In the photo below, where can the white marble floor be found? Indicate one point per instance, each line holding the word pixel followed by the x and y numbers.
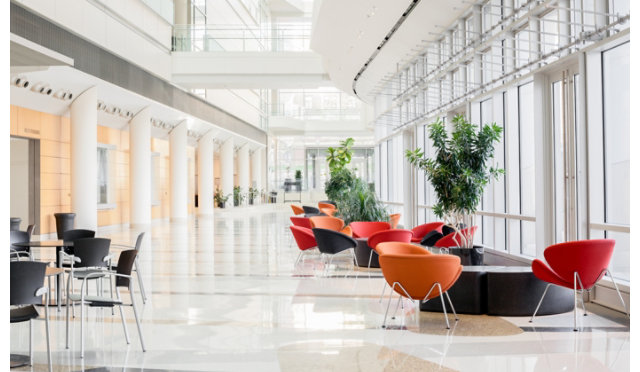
pixel 225 296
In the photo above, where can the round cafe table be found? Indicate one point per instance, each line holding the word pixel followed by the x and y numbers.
pixel 58 244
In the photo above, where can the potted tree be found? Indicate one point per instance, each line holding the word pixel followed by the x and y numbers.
pixel 253 193
pixel 238 196
pixel 220 198
pixel 459 172
pixel 298 180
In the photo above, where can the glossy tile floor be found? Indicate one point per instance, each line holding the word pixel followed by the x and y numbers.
pixel 224 295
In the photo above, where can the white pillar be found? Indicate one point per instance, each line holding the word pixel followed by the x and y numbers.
pixel 84 158
pixel 226 170
pixel 265 169
pixel 243 168
pixel 256 169
pixel 410 205
pixel 179 171
pixel 140 168
pixel 205 175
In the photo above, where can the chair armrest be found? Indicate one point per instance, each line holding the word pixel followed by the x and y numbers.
pixel 42 291
pixel 69 256
pixel 108 257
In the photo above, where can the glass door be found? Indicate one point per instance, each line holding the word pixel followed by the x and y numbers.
pixel 564 85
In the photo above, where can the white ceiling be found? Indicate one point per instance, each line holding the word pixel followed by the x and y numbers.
pixel 346 33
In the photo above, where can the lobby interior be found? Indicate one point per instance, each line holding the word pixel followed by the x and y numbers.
pixel 185 137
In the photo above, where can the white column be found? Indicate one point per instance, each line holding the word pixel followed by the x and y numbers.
pixel 205 175
pixel 226 170
pixel 139 168
pixel 243 168
pixel 409 184
pixel 84 158
pixel 256 170
pixel 265 169
pixel 179 171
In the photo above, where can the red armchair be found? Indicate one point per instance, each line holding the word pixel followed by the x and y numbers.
pixel 304 238
pixel 448 240
pixel 579 263
pixel 301 221
pixel 419 232
pixel 366 229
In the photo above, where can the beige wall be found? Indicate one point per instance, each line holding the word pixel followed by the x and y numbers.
pixel 53 133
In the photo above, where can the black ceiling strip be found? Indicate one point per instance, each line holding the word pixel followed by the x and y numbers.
pixel 393 30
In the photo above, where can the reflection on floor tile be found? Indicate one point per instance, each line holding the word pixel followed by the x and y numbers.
pixel 224 295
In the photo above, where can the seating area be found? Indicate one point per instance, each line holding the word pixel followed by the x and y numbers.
pixel 321 185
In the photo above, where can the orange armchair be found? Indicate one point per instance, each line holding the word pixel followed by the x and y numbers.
pixel 396 235
pixel 326 222
pixel 394 219
pixel 420 277
pixel 297 210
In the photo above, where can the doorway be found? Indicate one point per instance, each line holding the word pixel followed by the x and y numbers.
pixel 24 181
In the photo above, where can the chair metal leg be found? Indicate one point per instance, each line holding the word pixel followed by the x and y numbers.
pixel 46 321
pixel 539 303
pixel 298 259
pixel 444 308
pixel 355 257
pixel 111 294
pixel 124 323
pixel 81 326
pixel 135 313
pixel 370 257
pixel 384 322
pixel 397 306
pixel 384 288
pixel 30 342
pixel 140 282
pixel 67 325
pixel 619 294
pixel 453 310
pixel 575 301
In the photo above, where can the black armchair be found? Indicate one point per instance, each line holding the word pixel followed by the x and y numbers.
pixel 332 242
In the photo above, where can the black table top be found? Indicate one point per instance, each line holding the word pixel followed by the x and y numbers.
pixel 45 244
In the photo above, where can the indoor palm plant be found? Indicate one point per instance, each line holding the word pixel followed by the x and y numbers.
pixel 238 196
pixel 459 171
pixel 253 193
pixel 220 198
pixel 355 200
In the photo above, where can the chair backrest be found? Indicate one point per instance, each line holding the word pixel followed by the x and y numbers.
pixel 304 237
pixel 347 231
pixel 125 265
pixel 30 229
pixel 26 277
pixel 397 235
pixel 366 229
pixel 91 251
pixel 400 248
pixel 449 241
pixel 420 231
pixel 327 222
pixel 394 219
pixel 16 236
pixel 328 211
pixel 332 242
pixel 417 273
pixel 590 258
pixel 310 210
pixel 329 202
pixel 301 221
pixel 72 235
pixel 139 241
pixel 326 205
pixel 297 210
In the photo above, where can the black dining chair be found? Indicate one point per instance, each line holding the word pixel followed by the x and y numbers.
pixel 15 252
pixel 26 291
pixel 136 265
pixel 332 242
pixel 72 235
pixel 90 258
pixel 122 280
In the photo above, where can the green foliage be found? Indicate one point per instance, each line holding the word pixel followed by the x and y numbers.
pixel 253 192
pixel 360 203
pixel 298 174
pixel 355 200
pixel 238 196
pixel 458 172
pixel 338 158
pixel 220 198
